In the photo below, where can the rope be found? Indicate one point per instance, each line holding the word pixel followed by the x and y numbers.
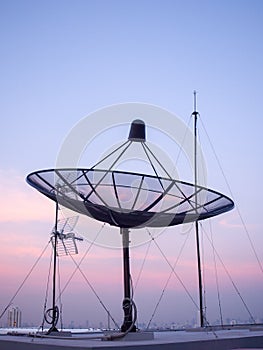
pixel 49 315
pixel 133 304
pixel 143 263
pixel 183 140
pixel 229 276
pixel 179 279
pixel 47 288
pixel 216 274
pixel 122 334
pixel 203 275
pixel 60 301
pixel 23 282
pixel 84 256
pixel 93 290
pixel 238 211
pixel 173 270
pixel 78 268
pixel 167 282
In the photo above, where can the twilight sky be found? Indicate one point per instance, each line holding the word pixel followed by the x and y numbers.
pixel 61 61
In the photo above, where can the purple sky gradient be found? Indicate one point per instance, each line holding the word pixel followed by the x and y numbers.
pixel 62 60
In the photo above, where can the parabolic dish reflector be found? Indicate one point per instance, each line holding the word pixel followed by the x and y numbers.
pixel 129 200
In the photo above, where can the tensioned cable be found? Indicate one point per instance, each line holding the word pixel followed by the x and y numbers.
pixel 179 153
pixel 143 263
pixel 78 268
pixel 173 269
pixel 60 301
pixel 24 281
pixel 239 213
pixel 132 294
pixel 183 140
pixel 94 291
pixel 47 289
pixel 133 287
pixel 83 257
pixel 180 280
pixel 167 282
pixel 203 275
pixel 229 276
pixel 203 169
pixel 216 275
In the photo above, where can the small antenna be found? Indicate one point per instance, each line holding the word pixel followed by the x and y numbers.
pixel 199 269
pixel 195 113
pixel 66 238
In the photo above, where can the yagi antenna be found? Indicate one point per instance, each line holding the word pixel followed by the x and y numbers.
pixel 66 243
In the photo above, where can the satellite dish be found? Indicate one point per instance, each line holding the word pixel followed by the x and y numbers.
pixel 129 199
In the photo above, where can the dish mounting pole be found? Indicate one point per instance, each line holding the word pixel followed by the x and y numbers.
pixel 127 304
pixel 195 114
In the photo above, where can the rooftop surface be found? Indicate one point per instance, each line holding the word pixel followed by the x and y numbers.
pixel 245 338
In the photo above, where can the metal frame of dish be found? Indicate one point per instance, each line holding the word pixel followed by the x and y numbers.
pixel 129 200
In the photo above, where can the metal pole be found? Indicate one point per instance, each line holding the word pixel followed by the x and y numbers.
pixel 54 308
pixel 127 302
pixel 195 115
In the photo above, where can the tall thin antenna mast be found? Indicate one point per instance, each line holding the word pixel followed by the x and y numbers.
pixel 195 114
pixel 54 309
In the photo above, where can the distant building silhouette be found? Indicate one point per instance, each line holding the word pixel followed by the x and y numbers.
pixel 14 317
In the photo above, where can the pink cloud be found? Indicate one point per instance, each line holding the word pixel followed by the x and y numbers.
pixel 233 221
pixel 19 202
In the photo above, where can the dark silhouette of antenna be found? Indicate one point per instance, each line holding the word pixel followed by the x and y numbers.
pixel 64 243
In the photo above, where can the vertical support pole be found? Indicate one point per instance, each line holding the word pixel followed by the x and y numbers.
pixel 54 307
pixel 199 275
pixel 195 115
pixel 127 302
